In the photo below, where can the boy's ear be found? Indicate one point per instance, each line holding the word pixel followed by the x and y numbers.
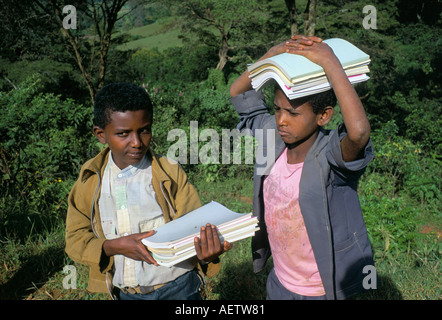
pixel 325 116
pixel 99 134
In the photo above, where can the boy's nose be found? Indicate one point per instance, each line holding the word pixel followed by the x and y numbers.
pixel 280 119
pixel 135 142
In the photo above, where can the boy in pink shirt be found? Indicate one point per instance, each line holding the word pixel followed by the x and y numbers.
pixel 310 218
pixel 294 262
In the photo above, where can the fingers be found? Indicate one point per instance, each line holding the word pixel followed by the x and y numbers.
pixel 298 43
pixel 208 246
pixel 146 234
pixel 148 258
pixel 227 246
pixel 143 252
pixel 310 38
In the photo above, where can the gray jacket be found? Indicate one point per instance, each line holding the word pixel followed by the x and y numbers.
pixel 327 197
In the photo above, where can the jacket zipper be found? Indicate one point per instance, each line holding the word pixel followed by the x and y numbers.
pixel 327 219
pixel 93 204
pixel 108 285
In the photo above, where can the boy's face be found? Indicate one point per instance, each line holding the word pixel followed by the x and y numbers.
pixel 295 120
pixel 128 135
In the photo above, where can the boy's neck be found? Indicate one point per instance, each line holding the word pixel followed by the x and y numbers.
pixel 297 152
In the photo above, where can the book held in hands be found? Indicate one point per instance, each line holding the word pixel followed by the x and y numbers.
pixel 173 242
pixel 298 76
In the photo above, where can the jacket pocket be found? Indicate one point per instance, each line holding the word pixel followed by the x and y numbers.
pixel 346 244
pixel 351 256
pixel 108 227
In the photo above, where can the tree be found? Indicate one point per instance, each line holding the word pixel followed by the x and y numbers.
pixel 309 17
pixel 89 51
pixel 221 23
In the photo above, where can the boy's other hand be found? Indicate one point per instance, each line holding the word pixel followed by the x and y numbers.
pixel 292 45
pixel 208 246
pixel 131 247
pixel 317 52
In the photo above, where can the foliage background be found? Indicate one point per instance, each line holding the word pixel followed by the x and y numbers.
pixel 45 128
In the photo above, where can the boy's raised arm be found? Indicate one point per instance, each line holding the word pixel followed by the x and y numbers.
pixel 352 110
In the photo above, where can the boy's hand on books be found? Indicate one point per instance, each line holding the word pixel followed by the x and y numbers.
pixel 130 246
pixel 297 42
pixel 293 45
pixel 317 52
pixel 208 246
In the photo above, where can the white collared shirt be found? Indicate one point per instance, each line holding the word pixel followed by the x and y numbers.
pixel 128 205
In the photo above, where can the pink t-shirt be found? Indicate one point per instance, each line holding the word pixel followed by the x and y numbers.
pixel 293 259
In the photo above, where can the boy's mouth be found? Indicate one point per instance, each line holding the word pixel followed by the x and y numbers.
pixel 135 155
pixel 282 133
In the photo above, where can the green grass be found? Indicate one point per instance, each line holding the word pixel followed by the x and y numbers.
pixel 161 34
pixel 34 269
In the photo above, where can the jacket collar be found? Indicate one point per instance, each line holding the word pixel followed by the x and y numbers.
pixel 97 164
pixel 319 144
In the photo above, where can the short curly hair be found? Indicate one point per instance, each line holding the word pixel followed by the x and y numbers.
pixel 120 97
pixel 321 100
pixel 318 101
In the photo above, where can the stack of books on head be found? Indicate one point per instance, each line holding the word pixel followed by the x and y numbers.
pixel 298 76
pixel 173 242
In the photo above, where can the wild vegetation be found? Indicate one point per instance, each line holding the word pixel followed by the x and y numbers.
pixel 186 54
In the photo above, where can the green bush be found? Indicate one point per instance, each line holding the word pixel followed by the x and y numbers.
pixel 400 191
pixel 44 142
pixel 208 106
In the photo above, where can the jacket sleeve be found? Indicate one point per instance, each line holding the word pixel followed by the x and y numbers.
pixel 82 244
pixel 347 170
pixel 186 196
pixel 252 110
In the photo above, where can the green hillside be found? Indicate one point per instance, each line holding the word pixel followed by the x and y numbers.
pixel 161 34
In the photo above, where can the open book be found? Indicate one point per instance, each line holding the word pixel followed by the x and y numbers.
pixel 298 76
pixel 173 242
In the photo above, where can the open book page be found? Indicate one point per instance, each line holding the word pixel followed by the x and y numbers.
pixel 189 225
pixel 297 68
pixel 173 242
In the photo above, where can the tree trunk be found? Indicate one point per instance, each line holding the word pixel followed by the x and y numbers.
pixel 104 24
pixel 310 18
pixel 223 53
pixel 293 16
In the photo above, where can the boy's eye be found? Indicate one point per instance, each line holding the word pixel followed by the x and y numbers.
pixel 146 130
pixel 122 134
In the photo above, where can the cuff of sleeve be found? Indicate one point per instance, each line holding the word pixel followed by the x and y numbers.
pixel 105 263
pixel 336 152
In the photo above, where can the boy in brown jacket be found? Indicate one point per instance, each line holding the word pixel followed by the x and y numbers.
pixel 121 195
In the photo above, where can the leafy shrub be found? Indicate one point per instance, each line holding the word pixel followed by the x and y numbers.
pixel 391 221
pixel 44 142
pixel 400 189
pixel 208 106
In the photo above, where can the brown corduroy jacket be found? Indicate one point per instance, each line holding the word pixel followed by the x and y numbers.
pixel 84 235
